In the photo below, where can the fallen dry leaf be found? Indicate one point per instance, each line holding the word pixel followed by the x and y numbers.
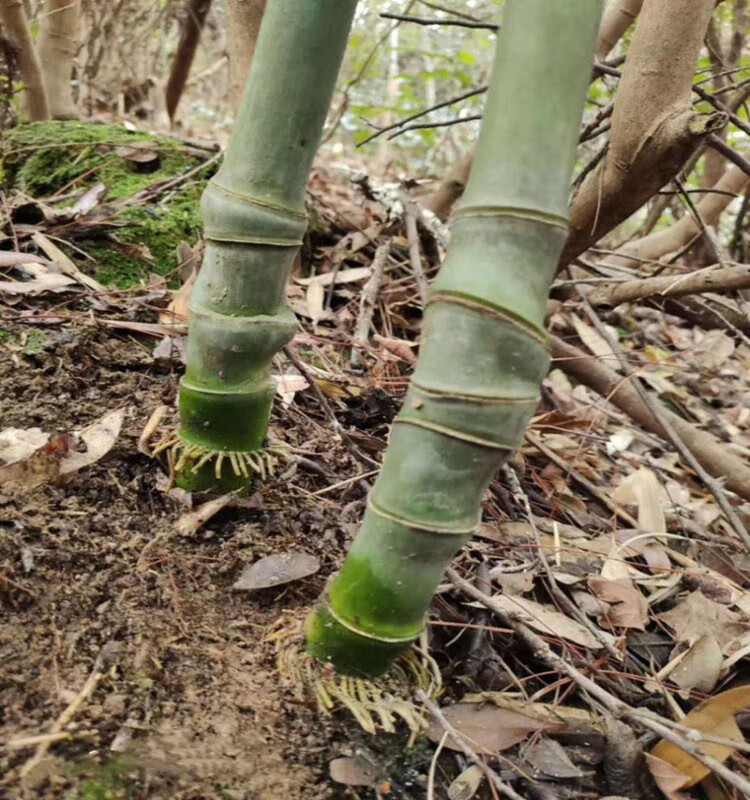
pixel 315 298
pixel 61 454
pixel 288 384
pixel 656 557
pixel 572 719
pixel 177 310
pixel 99 437
pixel 172 348
pixel 619 441
pixel 149 328
pixel 513 583
pixel 398 347
pixel 642 488
pixel 277 570
pixel 667 778
pixel 697 615
pixel 595 342
pixel 10 258
pixel 42 466
pixel 63 263
pixel 548 621
pixel 89 199
pixel 487 729
pixel 19 443
pixel 701 667
pixel 550 758
pixel 715 716
pixel 465 786
pixel 628 606
pixel 340 276
pixel 714 349
pixel 354 771
pixel 49 282
pixel 190 522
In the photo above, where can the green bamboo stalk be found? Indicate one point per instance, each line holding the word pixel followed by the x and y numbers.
pixel 254 219
pixel 484 350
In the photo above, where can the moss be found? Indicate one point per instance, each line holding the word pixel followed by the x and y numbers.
pixel 43 158
pixel 111 780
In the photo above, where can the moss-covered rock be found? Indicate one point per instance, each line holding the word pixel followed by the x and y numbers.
pixel 45 159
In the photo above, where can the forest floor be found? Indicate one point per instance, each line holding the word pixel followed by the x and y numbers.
pixel 130 664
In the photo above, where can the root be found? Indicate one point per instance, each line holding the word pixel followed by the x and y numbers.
pixel 373 704
pixel 182 455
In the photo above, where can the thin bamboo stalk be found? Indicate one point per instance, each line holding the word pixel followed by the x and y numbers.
pixel 254 218
pixel 484 352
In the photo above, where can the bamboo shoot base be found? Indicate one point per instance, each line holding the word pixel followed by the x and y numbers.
pixel 196 468
pixel 374 704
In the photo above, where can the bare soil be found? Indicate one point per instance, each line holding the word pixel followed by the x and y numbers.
pixel 93 568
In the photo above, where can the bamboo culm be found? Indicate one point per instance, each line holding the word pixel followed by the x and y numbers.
pixel 254 219
pixel 484 350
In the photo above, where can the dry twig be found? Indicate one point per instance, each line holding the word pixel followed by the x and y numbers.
pixel 710 279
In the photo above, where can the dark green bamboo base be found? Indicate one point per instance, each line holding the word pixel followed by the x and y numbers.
pixel 227 434
pixel 353 654
pixel 221 420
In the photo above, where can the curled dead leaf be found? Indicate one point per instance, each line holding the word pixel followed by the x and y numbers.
pixel 62 454
pixel 98 439
pixel 628 606
pixel 190 522
pixel 465 786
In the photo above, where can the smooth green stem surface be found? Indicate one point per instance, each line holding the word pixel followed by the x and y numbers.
pixel 484 350
pixel 254 219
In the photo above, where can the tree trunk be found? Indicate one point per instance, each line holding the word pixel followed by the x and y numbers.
pixel 243 24
pixel 659 244
pixel 192 25
pixel 449 192
pixel 654 127
pixel 484 353
pixel 618 17
pixel 58 43
pixel 16 26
